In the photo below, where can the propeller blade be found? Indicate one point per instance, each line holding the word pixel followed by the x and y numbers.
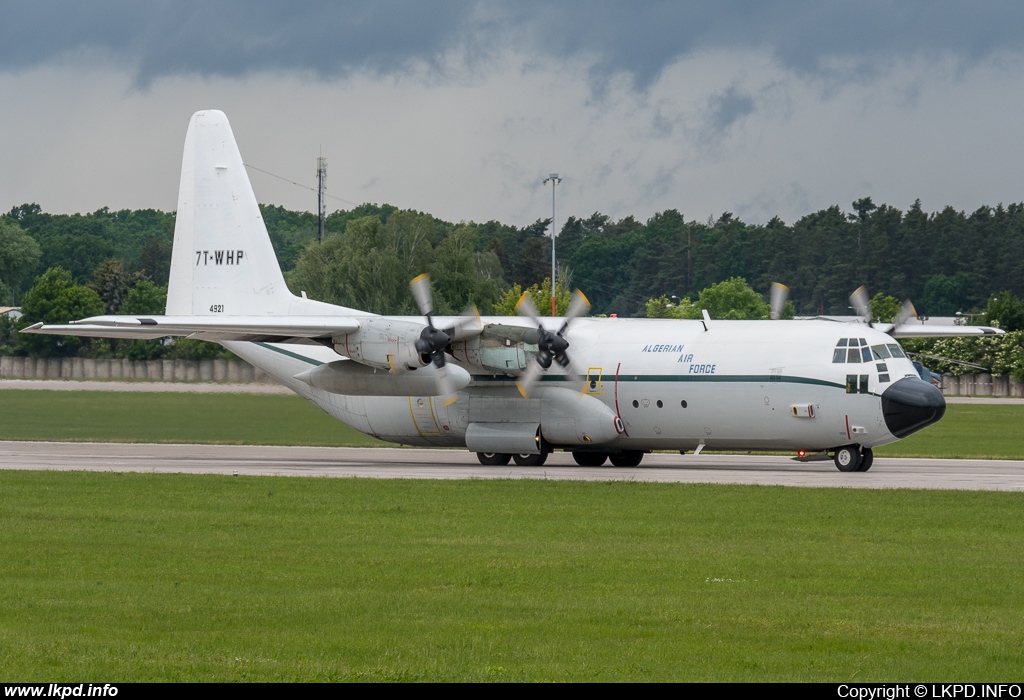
pixel 467 325
pixel 578 305
pixel 529 377
pixel 421 290
pixel 525 307
pixel 907 312
pixel 779 295
pixel 444 382
pixel 860 301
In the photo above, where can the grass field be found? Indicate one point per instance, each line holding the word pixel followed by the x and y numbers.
pixel 968 430
pixel 170 577
pixel 234 419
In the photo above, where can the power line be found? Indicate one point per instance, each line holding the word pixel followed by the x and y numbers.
pixel 608 288
pixel 299 184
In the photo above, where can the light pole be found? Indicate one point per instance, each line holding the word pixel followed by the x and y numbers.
pixel 554 180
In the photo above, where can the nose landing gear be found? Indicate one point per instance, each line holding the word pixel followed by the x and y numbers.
pixel 853 458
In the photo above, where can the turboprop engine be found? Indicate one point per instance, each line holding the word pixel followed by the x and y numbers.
pixel 500 349
pixel 353 379
pixel 384 344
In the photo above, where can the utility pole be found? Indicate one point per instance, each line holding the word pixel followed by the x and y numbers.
pixel 554 180
pixel 321 196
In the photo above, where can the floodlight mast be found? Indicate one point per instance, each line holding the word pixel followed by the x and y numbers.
pixel 321 196
pixel 554 180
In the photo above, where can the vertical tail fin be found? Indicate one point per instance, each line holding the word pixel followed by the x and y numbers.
pixel 222 262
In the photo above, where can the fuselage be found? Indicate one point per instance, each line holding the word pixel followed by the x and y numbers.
pixel 675 385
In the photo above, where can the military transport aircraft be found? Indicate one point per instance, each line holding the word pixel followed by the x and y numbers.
pixel 506 387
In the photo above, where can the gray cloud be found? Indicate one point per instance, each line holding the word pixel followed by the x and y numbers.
pixel 847 40
pixel 729 106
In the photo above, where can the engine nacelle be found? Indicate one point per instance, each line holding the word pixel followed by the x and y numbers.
pixel 499 349
pixel 384 344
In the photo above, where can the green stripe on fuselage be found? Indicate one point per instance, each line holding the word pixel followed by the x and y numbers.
pixel 742 378
pixel 297 356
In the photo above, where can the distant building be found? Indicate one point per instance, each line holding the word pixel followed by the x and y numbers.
pixel 12 312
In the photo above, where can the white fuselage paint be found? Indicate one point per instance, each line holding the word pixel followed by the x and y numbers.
pixel 739 380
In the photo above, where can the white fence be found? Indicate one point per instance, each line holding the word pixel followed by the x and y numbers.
pixel 980 385
pixel 231 371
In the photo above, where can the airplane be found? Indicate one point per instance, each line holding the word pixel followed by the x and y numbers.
pixel 505 387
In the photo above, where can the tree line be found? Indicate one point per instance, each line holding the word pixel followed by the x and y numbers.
pixel 946 261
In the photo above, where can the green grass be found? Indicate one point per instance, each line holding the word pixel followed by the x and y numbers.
pixel 106 416
pixel 967 430
pixel 170 577
pixel 979 431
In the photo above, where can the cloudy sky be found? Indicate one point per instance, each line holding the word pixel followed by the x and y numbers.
pixel 461 109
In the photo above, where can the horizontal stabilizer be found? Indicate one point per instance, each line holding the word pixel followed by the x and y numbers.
pixel 914 330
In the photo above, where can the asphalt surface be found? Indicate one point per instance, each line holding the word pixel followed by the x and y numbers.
pixel 387 463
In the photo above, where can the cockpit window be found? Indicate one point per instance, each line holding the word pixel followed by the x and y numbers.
pixel 896 350
pixel 865 354
pixel 853 355
pixel 841 343
pixel 881 352
pixel 839 356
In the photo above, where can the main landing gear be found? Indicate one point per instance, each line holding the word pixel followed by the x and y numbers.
pixel 622 458
pixel 853 458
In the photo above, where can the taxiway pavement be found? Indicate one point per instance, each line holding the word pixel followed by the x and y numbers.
pixel 393 463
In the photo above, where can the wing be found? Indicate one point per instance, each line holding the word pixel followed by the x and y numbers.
pixel 278 328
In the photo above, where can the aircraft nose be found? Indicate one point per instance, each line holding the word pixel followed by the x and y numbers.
pixel 910 405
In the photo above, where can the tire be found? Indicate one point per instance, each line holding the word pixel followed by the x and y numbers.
pixel 493 459
pixel 627 458
pixel 531 460
pixel 590 459
pixel 867 457
pixel 847 458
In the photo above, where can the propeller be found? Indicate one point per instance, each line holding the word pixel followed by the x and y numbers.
pixel 862 304
pixel 551 347
pixel 779 295
pixel 859 300
pixel 432 340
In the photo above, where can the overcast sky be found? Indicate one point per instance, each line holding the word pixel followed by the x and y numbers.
pixel 461 109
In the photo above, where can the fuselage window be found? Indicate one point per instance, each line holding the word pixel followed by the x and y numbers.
pixel 881 352
pixel 883 378
pixel 839 356
pixel 853 355
pixel 896 350
pixel 882 367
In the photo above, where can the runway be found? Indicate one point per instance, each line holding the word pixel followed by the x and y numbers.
pixel 387 463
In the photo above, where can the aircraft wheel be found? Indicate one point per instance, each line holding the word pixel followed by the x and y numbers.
pixel 493 459
pixel 627 458
pixel 531 460
pixel 590 459
pixel 867 457
pixel 847 458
